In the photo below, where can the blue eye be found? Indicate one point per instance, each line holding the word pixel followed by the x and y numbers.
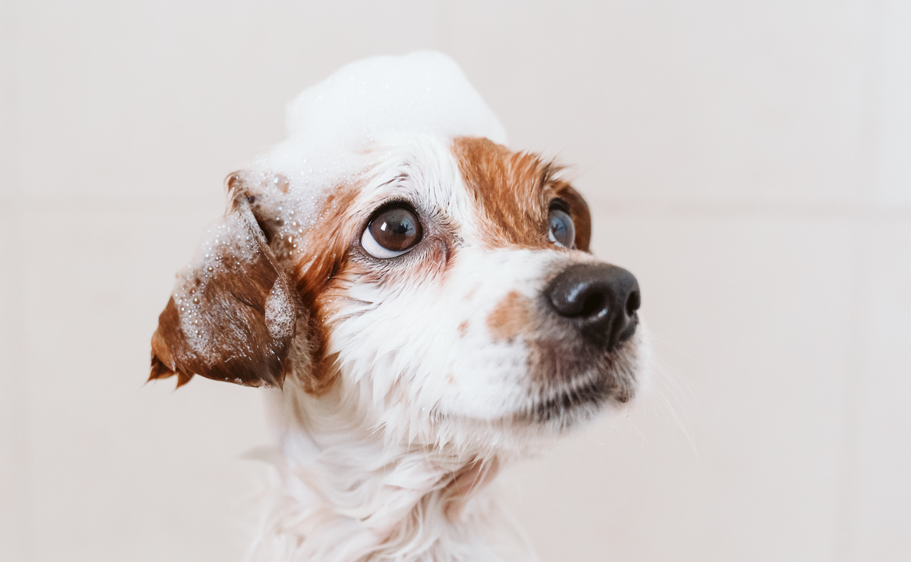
pixel 562 231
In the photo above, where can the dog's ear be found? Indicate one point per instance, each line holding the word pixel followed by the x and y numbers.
pixel 233 313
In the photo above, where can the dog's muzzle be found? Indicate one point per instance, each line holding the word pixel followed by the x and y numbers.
pixel 600 300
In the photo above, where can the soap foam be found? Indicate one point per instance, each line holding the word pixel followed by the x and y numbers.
pixel 280 315
pixel 228 248
pixel 334 125
pixel 424 92
pixel 335 131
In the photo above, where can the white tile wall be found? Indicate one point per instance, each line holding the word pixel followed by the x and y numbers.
pixel 15 499
pixel 666 101
pixel 15 462
pixel 122 471
pixel 891 72
pixel 749 162
pixel 143 100
pixel 880 503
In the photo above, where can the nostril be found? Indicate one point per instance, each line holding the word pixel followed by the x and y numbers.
pixel 633 301
pixel 593 305
pixel 600 300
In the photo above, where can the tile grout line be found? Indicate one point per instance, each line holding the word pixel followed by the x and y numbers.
pixel 849 482
pixel 18 362
pixel 692 209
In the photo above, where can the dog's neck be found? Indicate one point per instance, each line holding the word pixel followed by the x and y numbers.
pixel 343 492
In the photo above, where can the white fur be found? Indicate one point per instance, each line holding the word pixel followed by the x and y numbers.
pixel 362 472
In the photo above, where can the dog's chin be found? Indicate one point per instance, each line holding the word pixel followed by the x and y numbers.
pixel 545 414
pixel 578 388
pixel 568 406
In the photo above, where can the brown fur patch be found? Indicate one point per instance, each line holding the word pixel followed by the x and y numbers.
pixel 514 191
pixel 319 283
pixel 511 317
pixel 239 346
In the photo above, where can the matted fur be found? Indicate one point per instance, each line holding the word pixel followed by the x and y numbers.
pixel 408 382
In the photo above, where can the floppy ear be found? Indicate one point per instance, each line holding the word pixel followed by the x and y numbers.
pixel 234 313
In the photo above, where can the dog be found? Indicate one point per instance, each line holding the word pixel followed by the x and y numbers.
pixel 425 303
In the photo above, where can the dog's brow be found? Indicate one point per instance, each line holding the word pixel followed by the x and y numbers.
pixel 545 177
pixel 548 170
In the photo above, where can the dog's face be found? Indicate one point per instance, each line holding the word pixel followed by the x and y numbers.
pixel 451 284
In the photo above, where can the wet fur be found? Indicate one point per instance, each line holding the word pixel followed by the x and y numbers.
pixel 407 382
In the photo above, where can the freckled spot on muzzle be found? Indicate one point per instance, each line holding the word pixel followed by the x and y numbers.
pixel 512 316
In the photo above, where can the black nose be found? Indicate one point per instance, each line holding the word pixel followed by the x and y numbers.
pixel 600 299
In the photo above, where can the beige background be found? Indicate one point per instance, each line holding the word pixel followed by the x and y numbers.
pixel 749 161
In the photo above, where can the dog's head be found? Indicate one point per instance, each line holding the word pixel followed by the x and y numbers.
pixel 445 284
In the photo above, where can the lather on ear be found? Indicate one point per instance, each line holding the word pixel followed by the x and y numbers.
pixel 234 313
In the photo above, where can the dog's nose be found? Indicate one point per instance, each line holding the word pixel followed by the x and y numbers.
pixel 600 299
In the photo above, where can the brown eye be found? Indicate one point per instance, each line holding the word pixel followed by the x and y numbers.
pixel 391 232
pixel 562 231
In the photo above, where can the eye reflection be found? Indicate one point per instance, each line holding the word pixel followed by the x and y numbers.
pixel 562 231
pixel 391 232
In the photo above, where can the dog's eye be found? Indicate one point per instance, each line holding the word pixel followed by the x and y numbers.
pixel 562 231
pixel 391 232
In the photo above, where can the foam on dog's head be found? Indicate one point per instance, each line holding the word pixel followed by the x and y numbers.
pixel 335 126
pixel 424 92
pixel 335 131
